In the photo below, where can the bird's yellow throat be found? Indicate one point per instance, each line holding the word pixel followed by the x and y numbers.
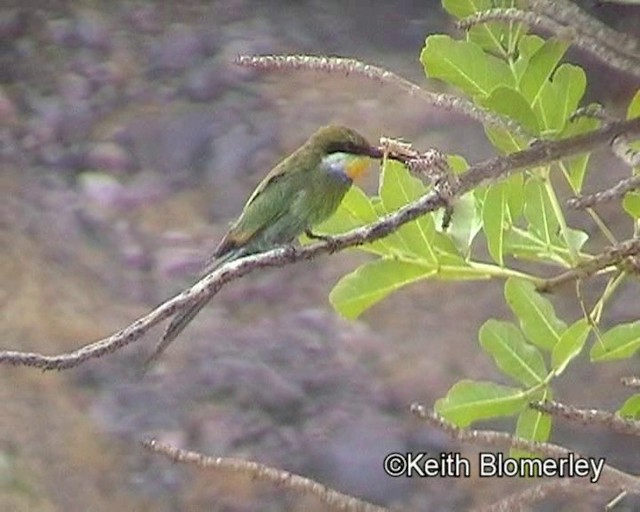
pixel 357 166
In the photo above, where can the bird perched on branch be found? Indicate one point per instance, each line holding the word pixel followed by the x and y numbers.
pixel 302 191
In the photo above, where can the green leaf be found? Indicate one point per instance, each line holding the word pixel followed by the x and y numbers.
pixel 494 220
pixel 634 107
pixel 632 112
pixel 356 210
pixel 461 272
pixel 527 245
pixel 359 206
pixel 538 210
pixel 631 407
pixel 463 8
pixel 545 225
pixel 620 342
pixel 504 140
pixel 492 36
pixel 510 103
pixel 560 98
pixel 457 163
pixel 515 195
pixel 570 345
pixel 533 426
pixel 372 282
pixel 446 251
pixel 466 223
pixel 465 65
pixel 527 46
pixel 398 188
pixel 576 239
pixel 538 320
pixel 511 353
pixel 540 69
pixel 468 401
pixel 574 168
pixel 631 204
pixel 376 202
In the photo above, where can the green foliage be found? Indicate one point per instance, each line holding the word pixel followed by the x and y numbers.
pixel 631 407
pixel 522 77
pixel 415 252
pixel 535 313
pixel 469 401
pixel 569 345
pixel 621 342
pixel 634 106
pixel 512 354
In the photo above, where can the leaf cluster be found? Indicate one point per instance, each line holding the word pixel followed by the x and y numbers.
pixel 506 70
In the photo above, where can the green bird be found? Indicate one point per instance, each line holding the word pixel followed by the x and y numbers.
pixel 300 192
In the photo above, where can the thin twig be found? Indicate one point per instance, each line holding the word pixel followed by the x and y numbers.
pixel 257 471
pixel 567 12
pixel 607 419
pixel 536 493
pixel 614 255
pixel 492 169
pixel 616 192
pixel 621 2
pixel 620 145
pixel 631 382
pixel 622 149
pixel 614 502
pixel 609 56
pixel 610 476
pixel 353 66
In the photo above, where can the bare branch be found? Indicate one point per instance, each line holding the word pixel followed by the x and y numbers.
pixel 607 419
pixel 353 66
pixel 517 501
pixel 433 167
pixel 620 145
pixel 621 2
pixel 631 382
pixel 569 13
pixel 622 149
pixel 614 255
pixel 614 502
pixel 610 476
pixel 616 192
pixel 491 169
pixel 257 471
pixel 606 54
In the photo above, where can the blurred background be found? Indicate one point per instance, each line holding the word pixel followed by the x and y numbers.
pixel 128 141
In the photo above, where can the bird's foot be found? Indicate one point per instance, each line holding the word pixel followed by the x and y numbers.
pixel 290 251
pixel 329 240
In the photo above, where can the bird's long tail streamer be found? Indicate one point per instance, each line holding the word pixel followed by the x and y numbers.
pixel 183 318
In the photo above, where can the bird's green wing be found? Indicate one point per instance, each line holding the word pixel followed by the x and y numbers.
pixel 269 202
pixel 290 166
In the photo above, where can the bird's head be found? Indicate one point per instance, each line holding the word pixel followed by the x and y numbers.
pixel 343 149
